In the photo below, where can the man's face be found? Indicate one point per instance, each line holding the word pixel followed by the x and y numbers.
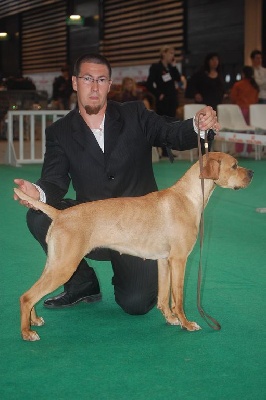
pixel 257 60
pixel 92 96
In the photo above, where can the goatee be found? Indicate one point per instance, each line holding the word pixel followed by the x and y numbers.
pixel 92 110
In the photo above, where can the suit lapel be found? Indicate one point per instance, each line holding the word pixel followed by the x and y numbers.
pixel 112 130
pixel 83 135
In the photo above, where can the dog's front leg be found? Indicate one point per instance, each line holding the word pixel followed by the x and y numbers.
pixel 177 268
pixel 164 292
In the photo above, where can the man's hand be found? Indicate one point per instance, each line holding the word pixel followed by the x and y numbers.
pixel 206 119
pixel 29 189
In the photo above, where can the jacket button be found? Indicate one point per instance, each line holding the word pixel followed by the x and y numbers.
pixel 111 177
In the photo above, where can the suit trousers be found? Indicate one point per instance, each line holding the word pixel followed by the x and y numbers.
pixel 135 280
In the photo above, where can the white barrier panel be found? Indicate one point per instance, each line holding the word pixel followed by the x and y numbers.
pixel 254 139
pixel 26 135
pixel 27 129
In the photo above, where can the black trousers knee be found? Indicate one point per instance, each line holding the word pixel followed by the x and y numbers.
pixel 135 280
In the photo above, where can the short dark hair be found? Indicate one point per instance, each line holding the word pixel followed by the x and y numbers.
pixel 254 53
pixel 92 58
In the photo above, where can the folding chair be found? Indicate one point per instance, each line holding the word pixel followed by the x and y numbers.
pixel 231 119
pixel 257 116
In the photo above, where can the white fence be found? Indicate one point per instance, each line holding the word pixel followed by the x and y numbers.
pixel 26 135
pixel 257 140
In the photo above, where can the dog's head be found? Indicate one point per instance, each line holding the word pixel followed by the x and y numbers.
pixel 223 169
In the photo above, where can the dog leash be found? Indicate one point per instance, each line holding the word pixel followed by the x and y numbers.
pixel 213 323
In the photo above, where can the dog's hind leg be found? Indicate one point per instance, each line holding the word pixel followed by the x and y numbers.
pixel 177 268
pixel 34 319
pixel 164 292
pixel 55 274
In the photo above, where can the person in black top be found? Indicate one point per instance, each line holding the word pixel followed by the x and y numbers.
pixel 206 85
pixel 162 81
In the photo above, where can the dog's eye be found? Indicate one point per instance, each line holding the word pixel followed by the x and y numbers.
pixel 234 166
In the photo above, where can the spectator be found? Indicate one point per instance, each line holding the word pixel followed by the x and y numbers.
pixel 20 83
pixel 62 90
pixel 162 80
pixel 259 74
pixel 206 85
pixel 244 93
pixel 128 90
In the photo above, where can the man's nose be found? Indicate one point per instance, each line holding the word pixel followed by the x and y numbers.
pixel 95 85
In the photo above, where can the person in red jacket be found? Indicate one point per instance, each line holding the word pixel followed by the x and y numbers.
pixel 244 93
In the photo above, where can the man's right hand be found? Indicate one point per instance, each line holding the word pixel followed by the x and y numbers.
pixel 28 188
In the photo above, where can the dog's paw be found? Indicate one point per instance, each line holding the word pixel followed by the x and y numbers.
pixel 191 326
pixel 39 321
pixel 30 336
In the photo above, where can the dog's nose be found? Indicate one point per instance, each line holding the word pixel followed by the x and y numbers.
pixel 250 173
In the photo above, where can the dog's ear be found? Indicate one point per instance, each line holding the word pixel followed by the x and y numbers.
pixel 211 170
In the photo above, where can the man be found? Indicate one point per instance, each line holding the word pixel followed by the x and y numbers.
pixel 105 148
pixel 259 74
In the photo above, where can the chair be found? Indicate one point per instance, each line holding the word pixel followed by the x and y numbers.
pixel 257 116
pixel 189 111
pixel 231 119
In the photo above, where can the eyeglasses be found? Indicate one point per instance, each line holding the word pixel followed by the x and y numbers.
pixel 89 80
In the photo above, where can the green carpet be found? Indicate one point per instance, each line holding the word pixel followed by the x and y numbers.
pixel 99 352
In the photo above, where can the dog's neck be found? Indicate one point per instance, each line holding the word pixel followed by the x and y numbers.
pixel 188 180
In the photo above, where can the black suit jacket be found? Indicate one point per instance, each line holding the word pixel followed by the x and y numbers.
pixel 125 167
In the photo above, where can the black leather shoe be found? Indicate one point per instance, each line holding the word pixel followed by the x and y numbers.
pixel 66 299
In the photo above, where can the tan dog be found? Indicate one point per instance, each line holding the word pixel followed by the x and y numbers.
pixel 161 226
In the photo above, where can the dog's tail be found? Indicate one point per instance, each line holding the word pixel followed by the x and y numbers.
pixel 38 205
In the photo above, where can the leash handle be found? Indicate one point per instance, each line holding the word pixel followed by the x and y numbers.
pixel 213 324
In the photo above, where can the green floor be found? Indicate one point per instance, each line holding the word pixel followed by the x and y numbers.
pixel 98 352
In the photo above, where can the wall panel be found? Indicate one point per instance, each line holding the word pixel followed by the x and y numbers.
pixel 11 7
pixel 44 38
pixel 134 30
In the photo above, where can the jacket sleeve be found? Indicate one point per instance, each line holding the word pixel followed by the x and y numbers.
pixel 55 177
pixel 167 131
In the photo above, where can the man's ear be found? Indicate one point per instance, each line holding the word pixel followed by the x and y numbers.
pixel 74 83
pixel 211 170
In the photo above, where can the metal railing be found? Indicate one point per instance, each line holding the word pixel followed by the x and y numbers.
pixel 26 135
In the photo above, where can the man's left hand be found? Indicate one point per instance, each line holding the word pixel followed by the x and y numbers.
pixel 206 119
